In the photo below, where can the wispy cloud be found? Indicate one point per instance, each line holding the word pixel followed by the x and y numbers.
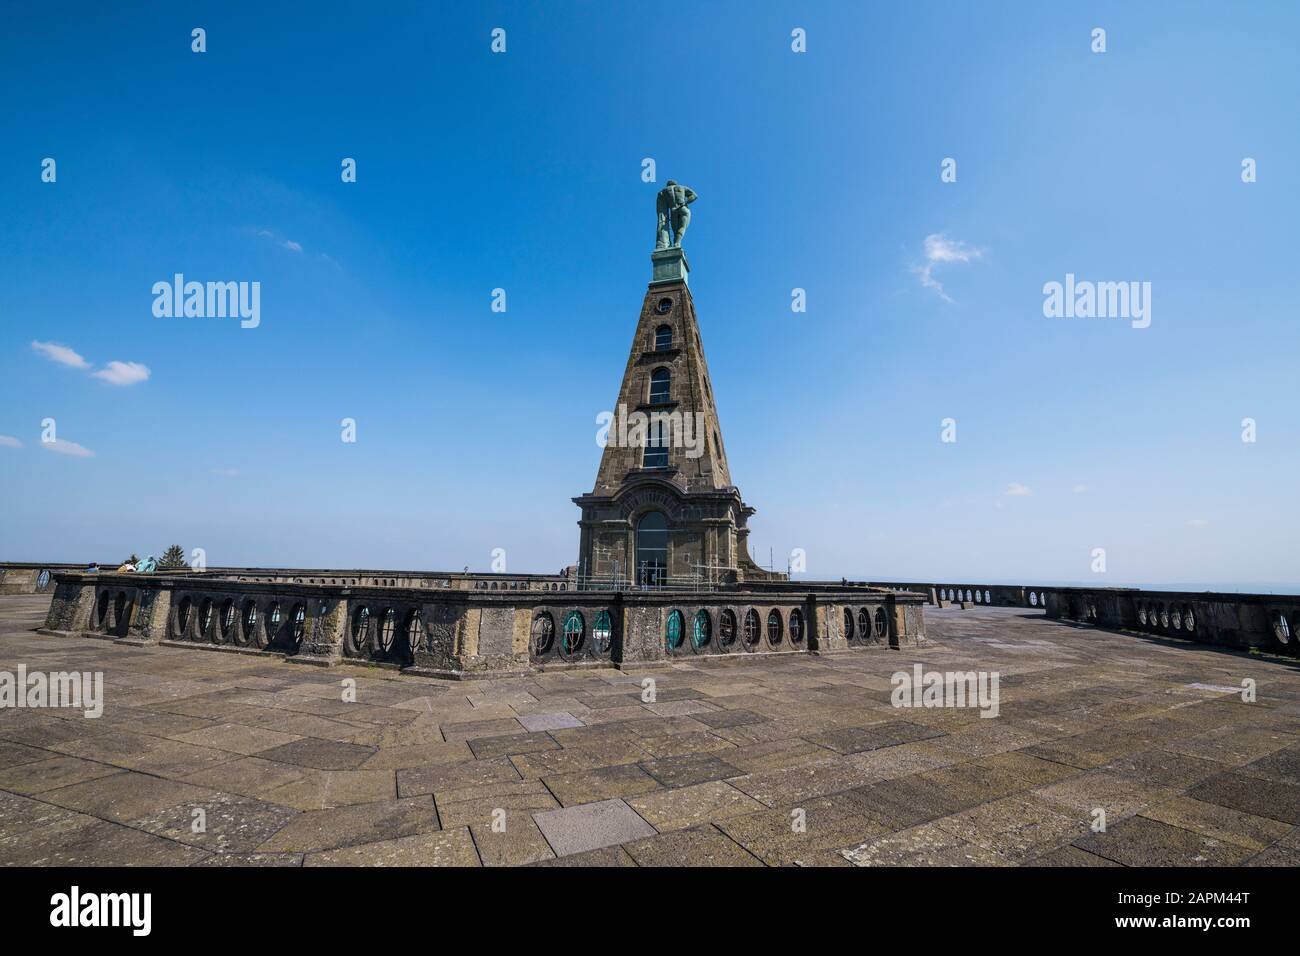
pixel 123 373
pixel 940 250
pixel 1017 490
pixel 1079 489
pixel 1198 523
pixel 279 241
pixel 68 448
pixel 60 353
pixel 9 441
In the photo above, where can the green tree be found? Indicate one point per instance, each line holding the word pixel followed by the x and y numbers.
pixel 132 560
pixel 173 557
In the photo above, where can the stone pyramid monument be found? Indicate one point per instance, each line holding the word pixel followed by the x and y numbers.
pixel 663 512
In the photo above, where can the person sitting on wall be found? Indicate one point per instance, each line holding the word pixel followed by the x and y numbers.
pixel 93 566
pixel 127 566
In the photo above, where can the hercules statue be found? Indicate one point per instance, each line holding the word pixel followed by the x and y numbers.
pixel 673 206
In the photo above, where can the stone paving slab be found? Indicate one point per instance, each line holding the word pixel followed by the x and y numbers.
pixel 1140 841
pixel 703 845
pixel 591 826
pixel 443 848
pixel 554 720
pixel 602 783
pixel 349 826
pixel 777 761
pixel 686 806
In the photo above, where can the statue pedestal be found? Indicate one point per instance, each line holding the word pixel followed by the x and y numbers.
pixel 670 266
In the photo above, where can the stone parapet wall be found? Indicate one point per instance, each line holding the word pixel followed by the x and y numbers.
pixel 1263 621
pixel 990 595
pixel 471 633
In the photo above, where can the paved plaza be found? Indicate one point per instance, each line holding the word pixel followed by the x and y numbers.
pixel 779 760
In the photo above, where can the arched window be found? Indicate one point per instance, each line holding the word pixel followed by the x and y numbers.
pixel 656 445
pixel 229 620
pixel 660 380
pixel 796 626
pixel 205 617
pixel 673 632
pixel 388 629
pixel 882 622
pixel 652 549
pixel 864 624
pixel 663 338
pixel 299 622
pixel 848 623
pixel 751 627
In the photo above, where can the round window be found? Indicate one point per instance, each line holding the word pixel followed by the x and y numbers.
pixel 727 627
pixel 775 627
pixel 571 638
pixel 602 633
pixel 543 633
pixel 701 629
pixel 673 634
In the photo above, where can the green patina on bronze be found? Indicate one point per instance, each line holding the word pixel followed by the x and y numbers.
pixel 673 207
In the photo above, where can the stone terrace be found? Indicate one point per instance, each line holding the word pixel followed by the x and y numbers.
pixel 288 773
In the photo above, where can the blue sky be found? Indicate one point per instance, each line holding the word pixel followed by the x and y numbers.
pixel 522 171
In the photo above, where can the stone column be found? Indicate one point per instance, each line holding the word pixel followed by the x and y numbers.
pixel 72 604
pixel 326 624
pixel 149 615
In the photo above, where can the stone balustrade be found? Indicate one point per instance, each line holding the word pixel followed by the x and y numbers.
pixel 450 631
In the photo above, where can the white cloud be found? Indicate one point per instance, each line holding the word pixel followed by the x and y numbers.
pixel 61 354
pixel 282 243
pixel 68 448
pixel 123 373
pixel 9 441
pixel 1198 523
pixel 940 249
pixel 1079 489
pixel 1017 490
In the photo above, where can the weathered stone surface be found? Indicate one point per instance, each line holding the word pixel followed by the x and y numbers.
pixel 444 848
pixel 591 826
pixel 686 806
pixel 178 729
pixel 602 783
pixel 350 826
pixel 1139 841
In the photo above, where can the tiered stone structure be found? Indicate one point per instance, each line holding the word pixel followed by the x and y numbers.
pixel 663 509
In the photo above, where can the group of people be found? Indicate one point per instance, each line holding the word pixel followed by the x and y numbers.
pixel 147 566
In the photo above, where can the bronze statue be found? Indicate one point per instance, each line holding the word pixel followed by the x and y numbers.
pixel 673 206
